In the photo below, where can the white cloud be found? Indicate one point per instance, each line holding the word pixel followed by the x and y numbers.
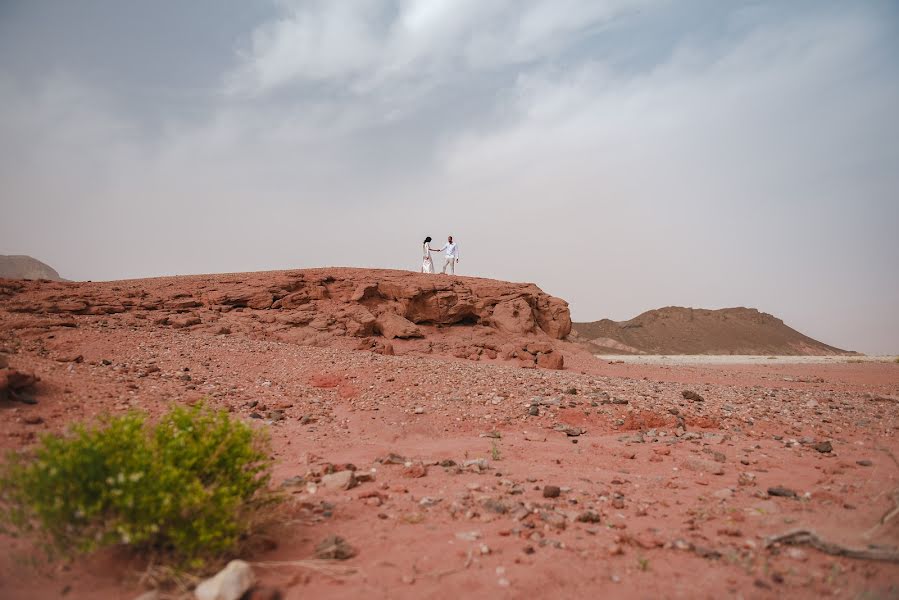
pixel 368 44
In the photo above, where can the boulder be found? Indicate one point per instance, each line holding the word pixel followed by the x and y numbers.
pixel 361 323
pixel 230 583
pixel 260 301
pixel 550 360
pixel 187 321
pixel 294 300
pixel 319 292
pixel 341 480
pixel 181 304
pixel 510 350
pixel 514 316
pixel 392 326
pixel 553 316
pixel 703 465
pixel 538 347
pixel 295 317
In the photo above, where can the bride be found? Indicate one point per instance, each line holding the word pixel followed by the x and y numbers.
pixel 427 266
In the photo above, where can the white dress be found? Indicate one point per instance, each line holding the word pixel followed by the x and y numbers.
pixel 427 265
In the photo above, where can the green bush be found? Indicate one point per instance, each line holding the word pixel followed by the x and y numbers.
pixel 185 488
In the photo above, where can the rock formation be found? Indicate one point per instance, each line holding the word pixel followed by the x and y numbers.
pixel 380 310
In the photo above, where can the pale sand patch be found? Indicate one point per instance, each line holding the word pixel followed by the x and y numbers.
pixel 703 359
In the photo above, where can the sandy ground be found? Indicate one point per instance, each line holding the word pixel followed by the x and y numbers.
pixel 659 496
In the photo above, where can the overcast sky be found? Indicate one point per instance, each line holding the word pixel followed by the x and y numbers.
pixel 622 154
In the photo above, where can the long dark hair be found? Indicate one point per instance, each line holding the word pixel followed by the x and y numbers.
pixel 427 240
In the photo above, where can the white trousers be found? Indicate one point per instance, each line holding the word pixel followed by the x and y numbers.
pixel 451 263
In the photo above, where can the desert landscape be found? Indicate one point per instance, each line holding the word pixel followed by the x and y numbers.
pixel 443 436
pixel 430 299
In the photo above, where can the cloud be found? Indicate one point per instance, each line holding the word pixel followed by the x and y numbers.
pixel 368 45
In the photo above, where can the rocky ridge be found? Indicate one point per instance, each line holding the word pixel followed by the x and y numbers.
pixel 380 310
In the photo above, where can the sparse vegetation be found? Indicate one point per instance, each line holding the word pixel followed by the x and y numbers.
pixel 643 563
pixel 494 451
pixel 184 489
pixel 834 575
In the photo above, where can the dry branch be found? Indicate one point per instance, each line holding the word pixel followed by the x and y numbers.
pixel 800 537
pixel 891 513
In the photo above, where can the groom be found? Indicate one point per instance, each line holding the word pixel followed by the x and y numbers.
pixel 451 256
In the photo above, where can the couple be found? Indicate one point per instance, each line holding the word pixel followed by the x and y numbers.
pixel 451 257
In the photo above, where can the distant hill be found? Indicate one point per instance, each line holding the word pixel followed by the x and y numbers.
pixel 676 330
pixel 25 267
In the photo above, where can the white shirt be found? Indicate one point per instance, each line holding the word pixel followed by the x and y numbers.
pixel 451 249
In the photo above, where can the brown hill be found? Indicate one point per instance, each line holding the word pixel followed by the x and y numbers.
pixel 676 330
pixel 381 310
pixel 25 267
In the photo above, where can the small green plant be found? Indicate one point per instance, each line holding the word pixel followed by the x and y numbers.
pixel 185 488
pixel 643 563
pixel 494 451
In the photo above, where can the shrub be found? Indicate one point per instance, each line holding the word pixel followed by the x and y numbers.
pixel 185 488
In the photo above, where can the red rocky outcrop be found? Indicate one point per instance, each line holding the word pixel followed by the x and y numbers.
pixel 458 316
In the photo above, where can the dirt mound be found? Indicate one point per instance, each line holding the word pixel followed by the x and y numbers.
pixel 25 267
pixel 381 310
pixel 676 330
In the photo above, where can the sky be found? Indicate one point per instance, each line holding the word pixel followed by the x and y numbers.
pixel 622 154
